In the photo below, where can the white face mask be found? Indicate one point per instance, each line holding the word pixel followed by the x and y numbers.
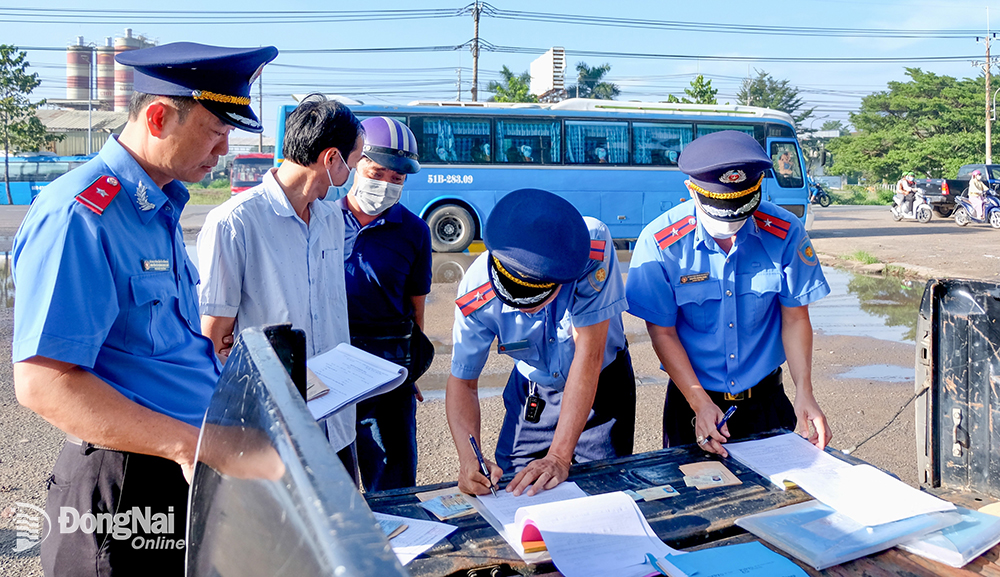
pixel 719 228
pixel 333 191
pixel 375 196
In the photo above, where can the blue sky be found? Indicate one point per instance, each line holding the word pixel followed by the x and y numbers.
pixel 399 77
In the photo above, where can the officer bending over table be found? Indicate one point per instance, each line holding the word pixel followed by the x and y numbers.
pixel 106 339
pixel 550 292
pixel 723 282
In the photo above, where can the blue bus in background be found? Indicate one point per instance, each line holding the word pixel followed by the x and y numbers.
pixel 615 161
pixel 29 174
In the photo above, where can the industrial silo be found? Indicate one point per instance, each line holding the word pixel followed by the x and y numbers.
pixel 106 75
pixel 124 74
pixel 78 60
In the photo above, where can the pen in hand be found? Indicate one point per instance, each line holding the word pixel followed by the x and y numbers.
pixel 729 413
pixel 482 464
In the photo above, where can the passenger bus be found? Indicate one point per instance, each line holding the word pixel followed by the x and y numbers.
pixel 615 161
pixel 29 174
pixel 248 170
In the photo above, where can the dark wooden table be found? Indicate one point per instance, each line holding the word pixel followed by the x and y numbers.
pixel 693 520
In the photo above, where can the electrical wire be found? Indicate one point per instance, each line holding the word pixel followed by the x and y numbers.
pixel 894 417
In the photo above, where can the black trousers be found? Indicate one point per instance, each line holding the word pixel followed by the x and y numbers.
pixel 94 498
pixel 766 408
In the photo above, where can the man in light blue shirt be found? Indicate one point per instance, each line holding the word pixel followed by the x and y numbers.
pixel 723 282
pixel 274 254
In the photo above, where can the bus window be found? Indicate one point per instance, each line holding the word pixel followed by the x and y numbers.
pixel 23 171
pixel 528 141
pixel 659 144
pixel 596 142
pixel 49 171
pixel 704 129
pixel 452 140
pixel 787 170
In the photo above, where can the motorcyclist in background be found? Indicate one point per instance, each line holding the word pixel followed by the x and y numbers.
pixel 977 191
pixel 905 187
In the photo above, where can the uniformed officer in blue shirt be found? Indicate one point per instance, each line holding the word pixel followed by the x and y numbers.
pixel 107 342
pixel 723 282
pixel 550 293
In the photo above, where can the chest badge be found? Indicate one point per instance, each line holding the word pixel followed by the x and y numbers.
pixel 156 264
pixel 600 274
pixel 690 278
pixel 142 197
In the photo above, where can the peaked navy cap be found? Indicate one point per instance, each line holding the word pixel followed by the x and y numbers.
pixel 218 78
pixel 538 237
pixel 726 170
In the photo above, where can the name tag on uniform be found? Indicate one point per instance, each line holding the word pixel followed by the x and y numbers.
pixel 694 278
pixel 156 264
pixel 512 346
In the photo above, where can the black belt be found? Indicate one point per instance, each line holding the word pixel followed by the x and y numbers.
pixel 80 442
pixel 762 389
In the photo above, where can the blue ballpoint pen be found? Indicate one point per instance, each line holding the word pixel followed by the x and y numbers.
pixel 729 413
pixel 482 463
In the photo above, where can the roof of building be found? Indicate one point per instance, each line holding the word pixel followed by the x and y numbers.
pixel 59 120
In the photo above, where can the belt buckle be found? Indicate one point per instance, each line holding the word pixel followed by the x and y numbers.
pixel 740 396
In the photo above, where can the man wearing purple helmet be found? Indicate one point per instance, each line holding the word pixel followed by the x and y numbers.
pixel 273 254
pixel 387 263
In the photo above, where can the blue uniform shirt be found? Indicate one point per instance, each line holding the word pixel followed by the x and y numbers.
pixel 542 343
pixel 385 264
pixel 726 308
pixel 115 292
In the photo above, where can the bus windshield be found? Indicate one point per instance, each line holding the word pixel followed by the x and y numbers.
pixel 248 171
pixel 614 161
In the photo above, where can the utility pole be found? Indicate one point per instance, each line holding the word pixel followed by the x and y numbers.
pixel 260 107
pixel 459 97
pixel 475 51
pixel 987 65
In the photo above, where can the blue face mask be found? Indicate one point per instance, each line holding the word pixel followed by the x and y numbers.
pixel 334 192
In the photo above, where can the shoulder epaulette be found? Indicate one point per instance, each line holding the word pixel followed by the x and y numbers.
pixel 473 300
pixel 675 232
pixel 772 224
pixel 597 249
pixel 99 194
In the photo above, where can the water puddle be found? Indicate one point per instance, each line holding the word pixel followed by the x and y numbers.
pixel 882 373
pixel 868 306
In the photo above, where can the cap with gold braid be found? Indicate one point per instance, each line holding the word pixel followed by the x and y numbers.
pixel 536 241
pixel 219 78
pixel 727 169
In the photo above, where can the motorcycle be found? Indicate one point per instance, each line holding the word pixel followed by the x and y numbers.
pixel 817 195
pixel 965 213
pixel 921 211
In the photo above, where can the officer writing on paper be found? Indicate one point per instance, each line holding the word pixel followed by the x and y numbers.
pixel 723 282
pixel 106 340
pixel 549 292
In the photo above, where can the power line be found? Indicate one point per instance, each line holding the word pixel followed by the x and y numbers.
pixel 213 17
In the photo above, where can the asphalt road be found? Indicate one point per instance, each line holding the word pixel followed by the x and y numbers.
pixel 855 406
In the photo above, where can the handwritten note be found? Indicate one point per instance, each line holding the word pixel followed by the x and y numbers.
pixel 352 375
pixel 419 536
pixel 776 457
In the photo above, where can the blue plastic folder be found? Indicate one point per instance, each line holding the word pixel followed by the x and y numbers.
pixel 743 560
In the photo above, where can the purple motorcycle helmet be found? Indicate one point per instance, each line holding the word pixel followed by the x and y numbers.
pixel 391 144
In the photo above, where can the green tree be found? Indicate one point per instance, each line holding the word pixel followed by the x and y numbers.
pixel 20 129
pixel 929 124
pixel 766 92
pixel 700 92
pixel 590 83
pixel 514 87
pixel 834 125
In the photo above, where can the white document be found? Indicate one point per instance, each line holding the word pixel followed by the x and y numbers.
pixel 597 536
pixel 776 457
pixel 352 375
pixel 866 495
pixel 419 536
pixel 500 511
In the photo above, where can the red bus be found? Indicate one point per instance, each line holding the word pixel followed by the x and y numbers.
pixel 248 170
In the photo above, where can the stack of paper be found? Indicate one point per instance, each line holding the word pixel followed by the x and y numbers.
pixel 961 543
pixel 416 537
pixel 350 375
pixel 775 458
pixel 743 560
pixel 822 537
